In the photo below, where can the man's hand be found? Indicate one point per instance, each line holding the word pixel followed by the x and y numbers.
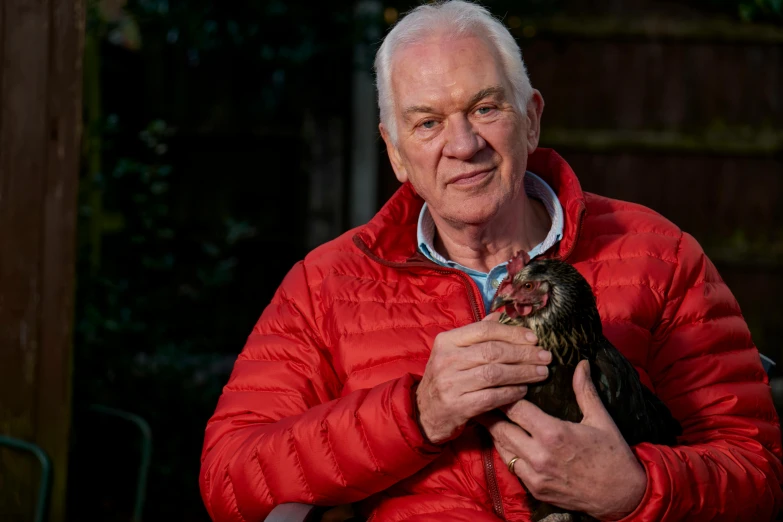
pixel 474 369
pixel 585 467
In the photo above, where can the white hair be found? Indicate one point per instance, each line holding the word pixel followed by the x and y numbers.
pixel 454 18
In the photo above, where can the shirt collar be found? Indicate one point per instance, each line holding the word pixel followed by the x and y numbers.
pixel 534 187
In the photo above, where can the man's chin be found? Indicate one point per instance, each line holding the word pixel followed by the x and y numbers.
pixel 465 217
pixel 475 211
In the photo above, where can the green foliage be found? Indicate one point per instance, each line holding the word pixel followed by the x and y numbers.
pixel 761 10
pixel 149 266
pixel 755 247
pixel 166 296
pixel 758 11
pixel 283 44
pixel 149 325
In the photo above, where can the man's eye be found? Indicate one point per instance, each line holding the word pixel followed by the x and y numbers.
pixel 428 124
pixel 483 111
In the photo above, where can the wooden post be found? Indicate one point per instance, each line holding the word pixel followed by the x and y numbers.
pixel 41 44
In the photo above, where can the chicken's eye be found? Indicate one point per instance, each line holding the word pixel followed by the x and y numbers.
pixel 528 286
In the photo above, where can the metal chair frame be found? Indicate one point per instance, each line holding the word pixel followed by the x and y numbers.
pixel 45 482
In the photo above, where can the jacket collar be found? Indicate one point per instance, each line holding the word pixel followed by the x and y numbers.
pixel 391 234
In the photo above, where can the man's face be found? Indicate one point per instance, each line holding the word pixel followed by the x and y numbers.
pixel 460 142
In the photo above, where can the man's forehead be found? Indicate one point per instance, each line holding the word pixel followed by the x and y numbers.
pixel 439 55
pixel 445 70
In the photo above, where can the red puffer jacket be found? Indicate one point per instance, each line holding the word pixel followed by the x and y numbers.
pixel 320 406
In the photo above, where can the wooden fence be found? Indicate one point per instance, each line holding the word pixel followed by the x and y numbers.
pixel 40 120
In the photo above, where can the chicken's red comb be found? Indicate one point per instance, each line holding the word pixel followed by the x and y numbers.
pixel 517 263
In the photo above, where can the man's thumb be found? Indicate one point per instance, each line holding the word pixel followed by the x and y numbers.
pixel 586 394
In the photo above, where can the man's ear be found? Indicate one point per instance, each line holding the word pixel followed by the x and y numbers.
pixel 535 107
pixel 394 155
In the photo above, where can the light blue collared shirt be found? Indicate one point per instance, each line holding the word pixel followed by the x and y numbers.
pixel 488 283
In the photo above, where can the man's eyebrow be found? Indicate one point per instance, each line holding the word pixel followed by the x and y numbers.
pixel 495 90
pixel 413 109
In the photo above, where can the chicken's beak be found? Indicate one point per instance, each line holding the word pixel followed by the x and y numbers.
pixel 499 302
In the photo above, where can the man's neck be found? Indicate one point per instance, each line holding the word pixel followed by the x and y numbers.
pixel 521 226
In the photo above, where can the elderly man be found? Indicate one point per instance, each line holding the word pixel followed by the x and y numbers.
pixel 363 379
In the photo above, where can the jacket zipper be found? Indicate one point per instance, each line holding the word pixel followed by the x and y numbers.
pixel 477 311
pixel 491 474
pixel 478 314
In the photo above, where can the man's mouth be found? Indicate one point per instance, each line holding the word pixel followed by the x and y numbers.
pixel 470 178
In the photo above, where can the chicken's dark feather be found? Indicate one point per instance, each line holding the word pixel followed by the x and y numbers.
pixel 570 327
pixel 639 414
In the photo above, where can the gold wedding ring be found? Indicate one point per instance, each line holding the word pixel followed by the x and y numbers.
pixel 511 464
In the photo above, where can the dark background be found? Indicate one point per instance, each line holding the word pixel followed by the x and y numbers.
pixel 218 150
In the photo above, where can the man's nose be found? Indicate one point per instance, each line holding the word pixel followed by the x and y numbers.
pixel 462 141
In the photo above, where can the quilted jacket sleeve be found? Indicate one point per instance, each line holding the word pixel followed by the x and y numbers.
pixel 280 434
pixel 705 367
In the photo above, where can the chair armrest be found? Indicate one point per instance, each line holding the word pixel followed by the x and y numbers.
pixel 767 363
pixel 294 512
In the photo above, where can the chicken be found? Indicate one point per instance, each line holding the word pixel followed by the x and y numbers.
pixel 552 298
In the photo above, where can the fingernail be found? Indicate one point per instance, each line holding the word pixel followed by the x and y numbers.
pixel 530 336
pixel 545 355
pixel 542 370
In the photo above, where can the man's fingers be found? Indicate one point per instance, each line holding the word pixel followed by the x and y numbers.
pixel 510 436
pixel 500 352
pixel 493 317
pixel 488 399
pixel 529 416
pixel 510 441
pixel 483 331
pixel 521 468
pixel 493 375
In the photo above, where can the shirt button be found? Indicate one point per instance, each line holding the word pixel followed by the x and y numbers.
pixel 495 283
